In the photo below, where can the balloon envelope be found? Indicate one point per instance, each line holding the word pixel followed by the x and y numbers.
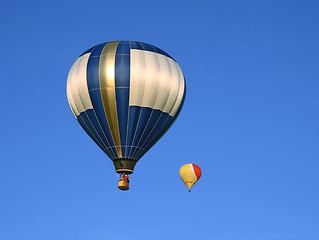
pixel 190 173
pixel 125 95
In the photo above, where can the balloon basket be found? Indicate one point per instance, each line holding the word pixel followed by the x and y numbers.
pixel 123 185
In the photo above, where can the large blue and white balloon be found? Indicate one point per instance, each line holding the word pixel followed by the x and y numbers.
pixel 125 95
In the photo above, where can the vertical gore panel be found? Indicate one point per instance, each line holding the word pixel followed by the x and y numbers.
pixel 134 114
pixel 92 48
pixel 152 79
pixel 149 127
pixel 161 119
pixel 142 122
pixel 95 123
pixel 93 80
pixel 174 88
pixel 166 82
pixel 107 83
pixel 122 89
pixel 197 171
pixel 136 45
pixel 91 134
pixel 90 130
pixel 93 68
pixel 137 77
pixel 85 119
pixel 147 47
pixel 157 136
pixel 180 95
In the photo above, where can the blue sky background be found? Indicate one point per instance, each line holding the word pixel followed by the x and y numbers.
pixel 250 121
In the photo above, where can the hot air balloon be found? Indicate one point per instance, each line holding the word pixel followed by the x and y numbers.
pixel 190 173
pixel 125 95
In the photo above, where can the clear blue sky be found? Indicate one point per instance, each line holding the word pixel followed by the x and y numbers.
pixel 250 121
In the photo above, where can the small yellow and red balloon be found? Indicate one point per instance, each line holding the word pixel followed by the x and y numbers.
pixel 190 173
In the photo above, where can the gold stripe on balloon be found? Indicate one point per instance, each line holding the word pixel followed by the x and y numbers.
pixel 107 85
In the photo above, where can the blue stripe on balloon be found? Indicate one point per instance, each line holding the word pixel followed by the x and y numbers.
pixel 136 45
pixel 151 123
pixel 98 107
pixel 123 47
pixel 122 71
pixel 142 121
pixel 92 48
pixel 134 114
pixel 161 119
pixel 89 129
pixel 93 76
pixel 152 135
pixel 169 120
pixel 93 81
pixel 160 51
pixel 148 47
pixel 90 121
pixel 122 90
pixel 87 51
pixel 90 117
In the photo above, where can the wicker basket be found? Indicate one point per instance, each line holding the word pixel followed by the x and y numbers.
pixel 123 185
